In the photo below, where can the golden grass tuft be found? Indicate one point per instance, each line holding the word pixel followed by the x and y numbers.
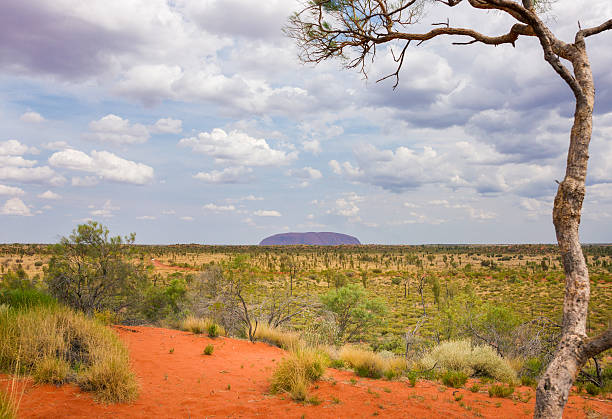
pixel 366 363
pixel 50 370
pixel 296 372
pixel 52 341
pixel 8 407
pixel 286 340
pixel 199 325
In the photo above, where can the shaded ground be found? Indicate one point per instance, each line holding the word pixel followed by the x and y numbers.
pixel 177 381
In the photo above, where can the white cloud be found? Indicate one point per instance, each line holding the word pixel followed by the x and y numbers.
pixel 346 206
pixel 219 208
pixel 49 195
pixel 104 164
pixel 227 175
pixel 167 126
pixel 114 129
pixel 305 173
pixel 43 174
pixel 237 148
pixel 146 217
pixel 107 210
pixel 56 145
pixel 11 191
pixel 15 206
pixel 312 146
pixel 32 117
pixel 85 181
pixel 187 218
pixel 15 148
pixel 267 213
pixel 16 161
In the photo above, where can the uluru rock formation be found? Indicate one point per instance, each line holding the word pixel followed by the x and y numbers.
pixel 312 238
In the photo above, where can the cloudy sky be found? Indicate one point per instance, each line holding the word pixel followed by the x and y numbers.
pixel 193 121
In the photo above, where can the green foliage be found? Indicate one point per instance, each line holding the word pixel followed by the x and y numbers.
pixel 26 297
pixel 354 312
pixel 455 379
pixel 209 350
pixel 51 370
pixel 500 390
pixel 159 303
pixel 213 330
pixel 92 271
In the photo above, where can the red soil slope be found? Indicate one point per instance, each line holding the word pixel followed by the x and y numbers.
pixel 234 382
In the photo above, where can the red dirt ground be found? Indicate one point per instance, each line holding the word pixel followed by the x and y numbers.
pixel 234 382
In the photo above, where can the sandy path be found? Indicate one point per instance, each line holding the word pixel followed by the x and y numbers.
pixel 234 382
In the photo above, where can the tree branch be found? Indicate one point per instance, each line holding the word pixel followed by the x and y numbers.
pixel 606 26
pixel 597 345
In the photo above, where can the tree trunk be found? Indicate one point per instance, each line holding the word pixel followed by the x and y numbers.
pixel 555 384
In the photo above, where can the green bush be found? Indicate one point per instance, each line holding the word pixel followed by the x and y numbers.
pixel 24 298
pixel 499 390
pixel 455 379
pixel 213 330
pixel 208 350
pixel 592 389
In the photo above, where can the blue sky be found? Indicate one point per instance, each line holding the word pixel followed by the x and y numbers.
pixel 194 122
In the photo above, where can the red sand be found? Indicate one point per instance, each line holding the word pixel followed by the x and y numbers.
pixel 234 382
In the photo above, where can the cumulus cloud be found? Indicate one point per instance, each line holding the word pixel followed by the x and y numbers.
pixel 227 175
pixel 237 148
pixel 42 174
pixel 16 161
pixel 114 129
pixel 15 206
pixel 49 195
pixel 167 126
pixel 305 173
pixel 15 148
pixel 84 181
pixel 56 145
pixel 267 213
pixel 107 210
pixel 32 117
pixel 104 164
pixel 11 190
pixel 219 208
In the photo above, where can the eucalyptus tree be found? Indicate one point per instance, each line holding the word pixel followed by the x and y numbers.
pixel 353 29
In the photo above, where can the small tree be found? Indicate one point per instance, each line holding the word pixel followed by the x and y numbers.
pixel 354 312
pixel 92 271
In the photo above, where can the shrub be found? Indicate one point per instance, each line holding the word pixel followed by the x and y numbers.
pixel 24 298
pixel 296 372
pixel 208 350
pixel 46 340
pixel 592 389
pixel 475 388
pixel 213 330
pixel 366 363
pixel 51 370
pixel 278 337
pixel 460 355
pixel 499 390
pixel 455 379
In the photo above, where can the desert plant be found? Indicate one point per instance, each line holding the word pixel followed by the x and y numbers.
pixel 51 370
pixel 354 312
pixel 455 379
pixel 46 340
pixel 91 271
pixel 295 373
pixel 199 325
pixel 460 355
pixel 278 337
pixel 366 363
pixel 499 390
pixel 208 350
pixel 213 330
pixel 8 408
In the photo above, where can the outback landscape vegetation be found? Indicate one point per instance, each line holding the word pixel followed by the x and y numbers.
pixel 316 324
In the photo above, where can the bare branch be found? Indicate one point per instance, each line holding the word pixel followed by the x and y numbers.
pixel 597 345
pixel 606 26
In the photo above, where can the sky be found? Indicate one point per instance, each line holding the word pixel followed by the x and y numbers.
pixel 191 121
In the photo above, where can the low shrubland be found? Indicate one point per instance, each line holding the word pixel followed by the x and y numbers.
pixel 367 363
pixel 199 325
pixel 57 344
pixel 278 337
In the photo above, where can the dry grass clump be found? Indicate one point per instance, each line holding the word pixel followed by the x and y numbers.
pixel 8 408
pixel 199 325
pixel 286 340
pixel 57 344
pixel 295 373
pixel 460 355
pixel 371 364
